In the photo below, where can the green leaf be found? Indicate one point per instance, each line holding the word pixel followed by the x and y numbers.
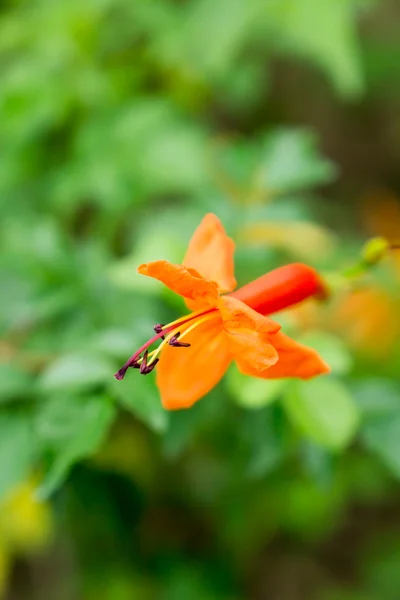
pixel 324 32
pixel 18 450
pixel 318 463
pixel 75 372
pixel 376 397
pixel 332 349
pixel 139 395
pixel 383 437
pixel 70 429
pixel 290 162
pixel 251 392
pixel 379 403
pixel 150 148
pixel 17 301
pixel 153 244
pixel 183 425
pixel 266 439
pixel 116 342
pixel 225 25
pixel 14 382
pixel 305 240
pixel 309 510
pixel 322 410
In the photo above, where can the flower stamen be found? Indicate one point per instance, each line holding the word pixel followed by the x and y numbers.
pixel 177 344
pixel 158 328
pixel 146 361
pixel 173 334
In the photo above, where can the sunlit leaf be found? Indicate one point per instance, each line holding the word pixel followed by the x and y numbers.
pixel 323 410
pixel 226 33
pixel 324 32
pixel 290 161
pixel 251 392
pixel 152 245
pixel 305 240
pixel 331 348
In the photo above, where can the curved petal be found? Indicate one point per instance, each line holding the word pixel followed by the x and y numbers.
pixel 248 333
pixel 184 375
pixel 183 281
pixel 295 360
pixel 210 252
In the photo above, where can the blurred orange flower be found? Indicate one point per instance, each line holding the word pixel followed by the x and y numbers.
pixel 372 313
pixel 381 212
pixel 365 316
pixel 224 328
pixel 360 317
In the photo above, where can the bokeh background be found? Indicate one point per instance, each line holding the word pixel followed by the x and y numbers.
pixel 122 124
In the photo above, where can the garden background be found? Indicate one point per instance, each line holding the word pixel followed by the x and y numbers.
pixel 122 124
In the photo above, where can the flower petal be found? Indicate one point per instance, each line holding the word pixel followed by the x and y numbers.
pixel 183 281
pixel 210 252
pixel 248 334
pixel 184 375
pixel 295 360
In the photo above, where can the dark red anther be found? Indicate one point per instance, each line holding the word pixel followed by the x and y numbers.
pixel 158 329
pixel 174 342
pixel 148 369
pixel 143 364
pixel 133 360
pixel 121 373
pixel 132 363
pixel 144 367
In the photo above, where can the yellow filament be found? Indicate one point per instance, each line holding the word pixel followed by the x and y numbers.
pixel 188 317
pixel 150 354
pixel 196 324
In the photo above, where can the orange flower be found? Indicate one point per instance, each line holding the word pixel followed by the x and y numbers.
pixel 223 328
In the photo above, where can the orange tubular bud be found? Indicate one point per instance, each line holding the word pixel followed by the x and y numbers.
pixel 281 288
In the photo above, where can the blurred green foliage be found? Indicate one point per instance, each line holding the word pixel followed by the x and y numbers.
pixel 123 123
